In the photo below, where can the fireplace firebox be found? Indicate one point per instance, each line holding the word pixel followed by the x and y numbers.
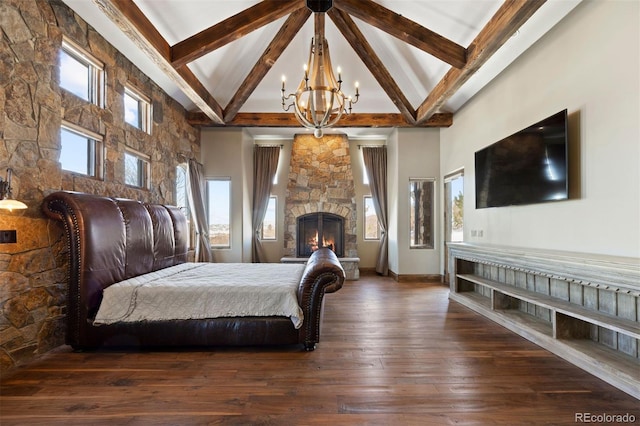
pixel 316 230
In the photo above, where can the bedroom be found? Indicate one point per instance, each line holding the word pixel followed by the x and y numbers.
pixel 602 98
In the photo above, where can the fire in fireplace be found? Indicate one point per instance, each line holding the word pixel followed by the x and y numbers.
pixel 316 230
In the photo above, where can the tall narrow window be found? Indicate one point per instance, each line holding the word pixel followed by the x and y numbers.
pixel 136 169
pixel 182 199
pixel 421 199
pixel 81 151
pixel 454 207
pixel 219 207
pixel 371 225
pixel 81 73
pixel 182 196
pixel 137 109
pixel 269 222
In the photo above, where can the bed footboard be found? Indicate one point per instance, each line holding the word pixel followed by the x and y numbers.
pixel 323 274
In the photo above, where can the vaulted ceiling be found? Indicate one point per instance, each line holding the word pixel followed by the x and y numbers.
pixel 417 61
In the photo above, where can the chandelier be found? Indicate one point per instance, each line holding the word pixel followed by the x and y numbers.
pixel 319 101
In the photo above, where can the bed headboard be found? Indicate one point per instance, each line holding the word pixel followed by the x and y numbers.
pixel 113 239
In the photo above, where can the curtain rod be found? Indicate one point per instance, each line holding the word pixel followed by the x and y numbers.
pixel 371 146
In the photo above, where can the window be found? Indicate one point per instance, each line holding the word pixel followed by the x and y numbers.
pixel 182 196
pixel 421 199
pixel 137 109
pixel 81 151
pixel 269 222
pixel 81 74
pixel 454 206
pixel 371 225
pixel 136 169
pixel 219 207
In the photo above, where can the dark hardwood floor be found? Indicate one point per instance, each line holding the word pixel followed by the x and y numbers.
pixel 390 354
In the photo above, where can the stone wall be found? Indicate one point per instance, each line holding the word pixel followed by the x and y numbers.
pixel 33 271
pixel 320 180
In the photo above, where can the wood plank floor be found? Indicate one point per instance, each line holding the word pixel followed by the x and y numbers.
pixel 390 354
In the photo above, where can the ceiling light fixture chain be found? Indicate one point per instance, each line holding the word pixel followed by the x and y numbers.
pixel 319 101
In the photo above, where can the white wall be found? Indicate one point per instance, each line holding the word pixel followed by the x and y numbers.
pixel 393 165
pixel 229 153
pixel 412 153
pixel 247 196
pixel 274 250
pixel 589 64
pixel 367 249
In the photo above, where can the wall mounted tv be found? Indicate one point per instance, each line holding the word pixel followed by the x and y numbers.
pixel 528 167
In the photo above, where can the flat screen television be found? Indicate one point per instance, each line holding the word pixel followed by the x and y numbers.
pixel 528 167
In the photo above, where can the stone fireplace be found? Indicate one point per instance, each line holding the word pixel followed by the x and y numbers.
pixel 321 186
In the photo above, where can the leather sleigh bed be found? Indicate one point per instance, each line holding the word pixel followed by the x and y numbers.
pixel 113 241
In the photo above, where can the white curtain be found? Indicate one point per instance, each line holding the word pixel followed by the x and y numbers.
pixel 197 189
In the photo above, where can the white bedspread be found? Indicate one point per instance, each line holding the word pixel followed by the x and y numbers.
pixel 205 290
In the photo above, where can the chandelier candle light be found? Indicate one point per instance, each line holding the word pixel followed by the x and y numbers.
pixel 319 101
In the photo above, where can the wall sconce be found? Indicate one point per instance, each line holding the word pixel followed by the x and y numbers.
pixel 6 202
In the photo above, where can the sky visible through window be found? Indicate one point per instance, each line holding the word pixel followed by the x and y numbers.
pixel 219 195
pixel 74 153
pixel 74 75
pixel 371 227
pixel 269 223
pixel 131 110
pixel 132 171
pixel 219 207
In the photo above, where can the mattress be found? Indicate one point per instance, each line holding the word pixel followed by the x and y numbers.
pixel 205 290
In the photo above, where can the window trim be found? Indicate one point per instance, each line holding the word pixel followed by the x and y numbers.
pixel 144 175
pixel 96 154
pixel 96 83
pixel 144 107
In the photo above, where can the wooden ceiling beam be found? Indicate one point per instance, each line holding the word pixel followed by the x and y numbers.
pixel 373 120
pixel 366 53
pixel 406 30
pixel 231 29
pixel 132 22
pixel 287 32
pixel 504 23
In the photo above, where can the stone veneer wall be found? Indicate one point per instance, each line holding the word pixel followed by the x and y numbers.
pixel 320 180
pixel 33 271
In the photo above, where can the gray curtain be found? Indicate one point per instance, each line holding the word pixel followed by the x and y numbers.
pixel 265 164
pixel 197 190
pixel 375 161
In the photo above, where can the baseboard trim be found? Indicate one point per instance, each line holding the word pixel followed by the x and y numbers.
pixel 415 278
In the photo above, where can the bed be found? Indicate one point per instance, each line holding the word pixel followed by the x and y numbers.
pixel 129 283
